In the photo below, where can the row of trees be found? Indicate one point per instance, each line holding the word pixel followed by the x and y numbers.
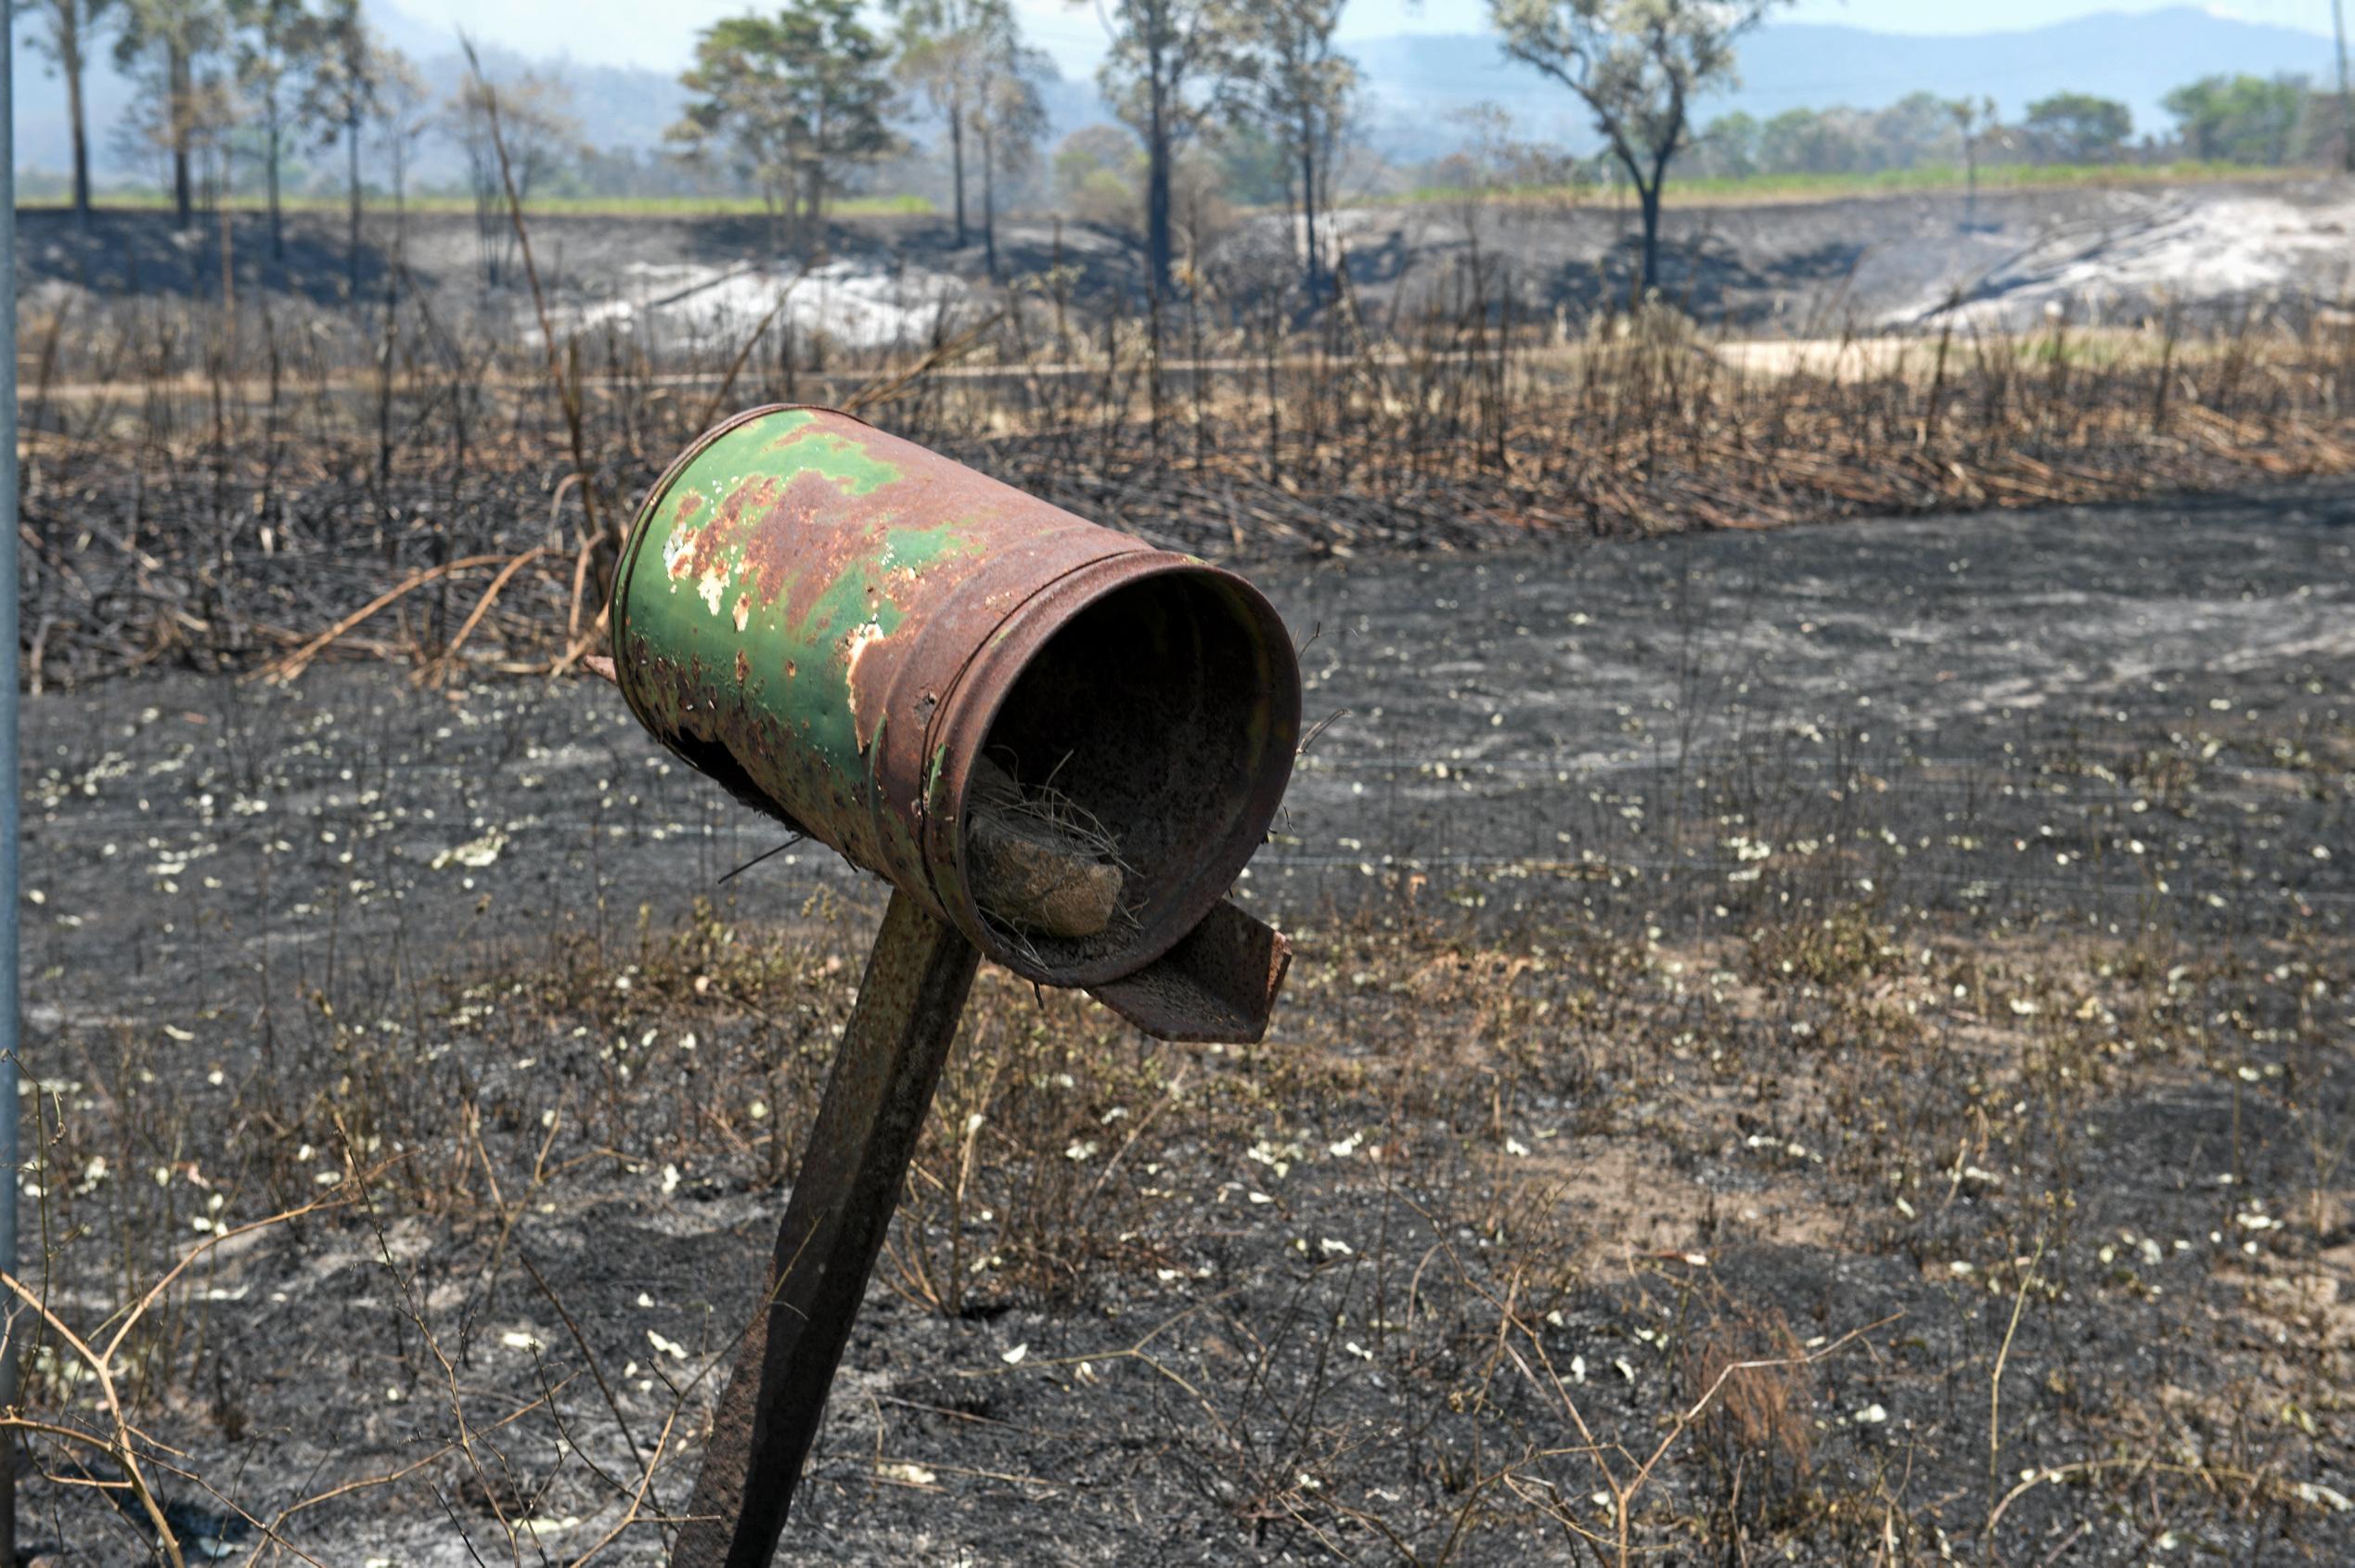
pixel 1636 66
pixel 1921 130
pixel 276 74
pixel 255 85
pixel 2219 119
pixel 1177 64
pixel 2252 119
pixel 968 59
pixel 797 99
pixel 795 102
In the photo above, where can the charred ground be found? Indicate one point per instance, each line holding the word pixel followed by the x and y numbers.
pixel 2104 254
pixel 1893 978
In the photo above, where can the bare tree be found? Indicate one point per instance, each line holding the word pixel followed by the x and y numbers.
pixel 1167 56
pixel 70 30
pixel 533 117
pixel 1637 65
pixel 404 113
pixel 1974 118
pixel 1291 81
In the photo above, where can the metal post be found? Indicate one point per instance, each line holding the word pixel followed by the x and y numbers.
pixel 8 1000
pixel 876 1100
pixel 2345 97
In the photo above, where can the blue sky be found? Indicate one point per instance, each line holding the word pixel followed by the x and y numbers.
pixel 632 33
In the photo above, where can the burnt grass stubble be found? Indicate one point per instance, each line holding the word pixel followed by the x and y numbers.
pixel 1889 954
pixel 1830 1042
pixel 212 478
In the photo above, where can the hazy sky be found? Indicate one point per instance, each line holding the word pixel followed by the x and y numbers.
pixel 632 33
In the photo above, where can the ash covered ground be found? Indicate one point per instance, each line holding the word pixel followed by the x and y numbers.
pixel 1913 954
pixel 2098 255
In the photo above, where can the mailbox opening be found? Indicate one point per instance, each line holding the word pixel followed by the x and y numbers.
pixel 1148 723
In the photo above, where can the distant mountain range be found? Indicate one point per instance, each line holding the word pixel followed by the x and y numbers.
pixel 1417 82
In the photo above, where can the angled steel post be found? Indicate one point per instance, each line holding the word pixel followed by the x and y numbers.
pixel 876 1100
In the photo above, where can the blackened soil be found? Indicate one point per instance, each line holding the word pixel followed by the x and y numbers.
pixel 1798 267
pixel 2032 745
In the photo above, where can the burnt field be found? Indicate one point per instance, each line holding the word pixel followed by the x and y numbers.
pixel 1832 1042
pixel 2106 254
pixel 226 487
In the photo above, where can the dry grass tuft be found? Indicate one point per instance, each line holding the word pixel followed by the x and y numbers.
pixel 1759 1433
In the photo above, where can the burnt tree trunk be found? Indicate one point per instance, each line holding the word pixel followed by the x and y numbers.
pixel 180 86
pixel 957 165
pixel 79 116
pixel 351 181
pixel 1157 241
pixel 989 198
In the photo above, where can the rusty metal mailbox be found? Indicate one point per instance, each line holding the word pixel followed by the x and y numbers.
pixel 1059 746
pixel 861 638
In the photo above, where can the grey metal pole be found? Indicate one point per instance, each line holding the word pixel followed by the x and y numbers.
pixel 2345 97
pixel 8 998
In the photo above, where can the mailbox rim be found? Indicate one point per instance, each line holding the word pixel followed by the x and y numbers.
pixel 969 710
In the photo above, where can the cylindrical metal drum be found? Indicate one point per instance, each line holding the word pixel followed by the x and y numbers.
pixel 840 627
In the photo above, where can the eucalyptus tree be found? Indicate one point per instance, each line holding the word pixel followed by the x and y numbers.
pixel 1008 116
pixel 347 71
pixel 2346 92
pixel 2239 119
pixel 941 45
pixel 2078 127
pixel 1298 89
pixel 744 111
pixel 793 99
pixel 1637 66
pixel 1167 60
pixel 270 42
pixel 70 30
pixel 174 46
